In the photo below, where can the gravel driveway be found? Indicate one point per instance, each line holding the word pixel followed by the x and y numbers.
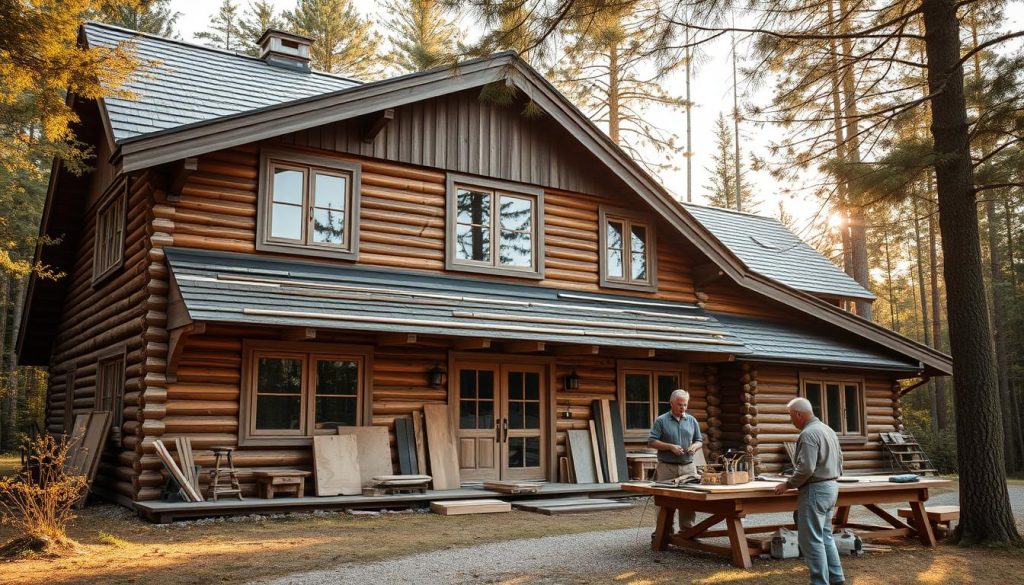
pixel 577 554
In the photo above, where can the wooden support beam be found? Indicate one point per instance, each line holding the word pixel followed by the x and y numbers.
pixel 705 274
pixel 180 172
pixel 176 345
pixel 299 334
pixel 376 122
pixel 576 350
pixel 396 339
pixel 523 347
pixel 471 343
pixel 638 353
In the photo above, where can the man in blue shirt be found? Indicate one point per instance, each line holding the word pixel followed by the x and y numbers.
pixel 676 436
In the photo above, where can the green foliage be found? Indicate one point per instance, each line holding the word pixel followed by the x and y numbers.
pixel 109 539
pixel 721 189
pixel 423 34
pixel 148 16
pixel 257 19
pixel 343 41
pixel 938 445
pixel 224 31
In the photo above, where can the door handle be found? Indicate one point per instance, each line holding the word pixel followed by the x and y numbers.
pixel 504 425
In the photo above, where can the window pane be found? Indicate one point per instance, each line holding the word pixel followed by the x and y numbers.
pixel 473 243
pixel 666 386
pixel 638 416
pixel 279 376
pixel 286 222
pixel 516 249
pixel 330 192
pixel 532 415
pixel 813 390
pixel 515 385
pixel 638 243
pixel 467 383
pixel 288 186
pixel 278 412
pixel 335 411
pixel 328 226
pixel 474 207
pixel 486 384
pixel 532 386
pixel 614 235
pixel 515 415
pixel 852 408
pixel 467 414
pixel 638 388
pixel 337 377
pixel 516 213
pixel 834 418
pixel 615 269
pixel 532 451
pixel 638 266
pixel 515 452
pixel 485 410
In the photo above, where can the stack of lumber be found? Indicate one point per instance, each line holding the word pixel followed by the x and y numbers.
pixel 408 442
pixel 457 507
pixel 183 446
pixel 397 484
pixel 188 492
pixel 512 487
pixel 611 447
pixel 570 505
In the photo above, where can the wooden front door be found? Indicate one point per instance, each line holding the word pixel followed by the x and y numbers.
pixel 501 413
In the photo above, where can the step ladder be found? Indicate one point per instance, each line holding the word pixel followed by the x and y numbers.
pixel 905 454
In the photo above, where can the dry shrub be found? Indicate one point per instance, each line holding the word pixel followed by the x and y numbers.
pixel 40 498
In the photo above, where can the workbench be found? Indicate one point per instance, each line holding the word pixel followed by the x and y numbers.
pixel 730 504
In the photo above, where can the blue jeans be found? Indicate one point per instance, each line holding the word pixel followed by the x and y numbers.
pixel 814 508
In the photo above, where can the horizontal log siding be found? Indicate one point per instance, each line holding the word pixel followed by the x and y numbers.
pixel 94 320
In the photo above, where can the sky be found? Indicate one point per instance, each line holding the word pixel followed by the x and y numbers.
pixel 711 91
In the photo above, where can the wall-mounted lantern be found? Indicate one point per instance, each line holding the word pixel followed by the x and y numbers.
pixel 436 377
pixel 572 381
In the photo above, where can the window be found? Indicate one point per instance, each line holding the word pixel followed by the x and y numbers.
pixel 308 205
pixel 108 247
pixel 297 390
pixel 839 403
pixel 627 250
pixel 644 395
pixel 494 227
pixel 110 390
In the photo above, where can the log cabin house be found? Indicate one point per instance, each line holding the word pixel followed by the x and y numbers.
pixel 264 252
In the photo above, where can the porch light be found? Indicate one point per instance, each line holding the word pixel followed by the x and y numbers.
pixel 436 376
pixel 572 381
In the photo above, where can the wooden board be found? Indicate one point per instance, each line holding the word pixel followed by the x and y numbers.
pixel 374 449
pixel 444 460
pixel 596 453
pixel 189 492
pixel 570 505
pixel 512 487
pixel 457 507
pixel 563 470
pixel 75 462
pixel 406 444
pixel 403 477
pixel 582 508
pixel 93 442
pixel 602 442
pixel 421 443
pixel 618 442
pixel 336 465
pixel 579 444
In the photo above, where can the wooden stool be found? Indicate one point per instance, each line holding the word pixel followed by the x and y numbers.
pixel 269 481
pixel 641 465
pixel 215 474
pixel 938 516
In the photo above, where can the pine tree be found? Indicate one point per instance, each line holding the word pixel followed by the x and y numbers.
pixel 148 16
pixel 343 41
pixel 721 191
pixel 258 17
pixel 224 31
pixel 423 34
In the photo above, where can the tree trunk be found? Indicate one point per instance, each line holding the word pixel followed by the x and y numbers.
pixel 925 326
pixel 933 259
pixel 5 283
pixel 613 92
pixel 11 392
pixel 999 333
pixel 984 500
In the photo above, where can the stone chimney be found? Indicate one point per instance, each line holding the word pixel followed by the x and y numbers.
pixel 285 49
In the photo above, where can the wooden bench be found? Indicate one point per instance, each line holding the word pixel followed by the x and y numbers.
pixel 271 481
pixel 938 516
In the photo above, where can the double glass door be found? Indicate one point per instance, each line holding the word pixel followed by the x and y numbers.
pixel 501 415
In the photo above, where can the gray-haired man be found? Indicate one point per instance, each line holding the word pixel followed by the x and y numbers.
pixel 676 436
pixel 819 462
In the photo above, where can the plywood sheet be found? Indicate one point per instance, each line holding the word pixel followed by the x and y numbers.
pixel 602 440
pixel 444 460
pixel 421 443
pixel 597 456
pixel 580 446
pixel 336 465
pixel 374 450
pixel 582 508
pixel 457 507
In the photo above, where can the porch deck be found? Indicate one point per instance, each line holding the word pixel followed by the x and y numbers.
pixel 165 512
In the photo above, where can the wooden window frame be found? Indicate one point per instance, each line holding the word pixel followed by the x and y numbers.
pixel 653 369
pixel 114 202
pixel 496 188
pixel 628 218
pixel 115 403
pixel 309 164
pixel 252 350
pixel 842 380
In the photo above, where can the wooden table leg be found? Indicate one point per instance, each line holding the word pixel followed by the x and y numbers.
pixel 738 542
pixel 841 518
pixel 924 528
pixel 664 528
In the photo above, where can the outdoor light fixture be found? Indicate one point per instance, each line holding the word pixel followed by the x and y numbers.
pixel 436 376
pixel 572 381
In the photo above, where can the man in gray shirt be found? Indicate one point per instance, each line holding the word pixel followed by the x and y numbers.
pixel 819 462
pixel 676 436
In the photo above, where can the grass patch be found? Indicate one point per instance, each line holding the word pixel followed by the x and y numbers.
pixel 109 539
pixel 9 463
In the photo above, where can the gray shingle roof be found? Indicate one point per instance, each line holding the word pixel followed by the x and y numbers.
pixel 770 249
pixel 191 83
pixel 240 288
pixel 788 341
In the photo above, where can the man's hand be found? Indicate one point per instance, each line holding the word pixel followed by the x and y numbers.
pixel 677 450
pixel 781 488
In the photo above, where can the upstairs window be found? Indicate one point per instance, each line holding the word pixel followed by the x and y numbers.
pixel 494 227
pixel 838 402
pixel 308 205
pixel 627 250
pixel 108 247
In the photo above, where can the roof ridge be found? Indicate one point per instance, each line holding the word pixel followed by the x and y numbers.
pixel 733 211
pixel 192 45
